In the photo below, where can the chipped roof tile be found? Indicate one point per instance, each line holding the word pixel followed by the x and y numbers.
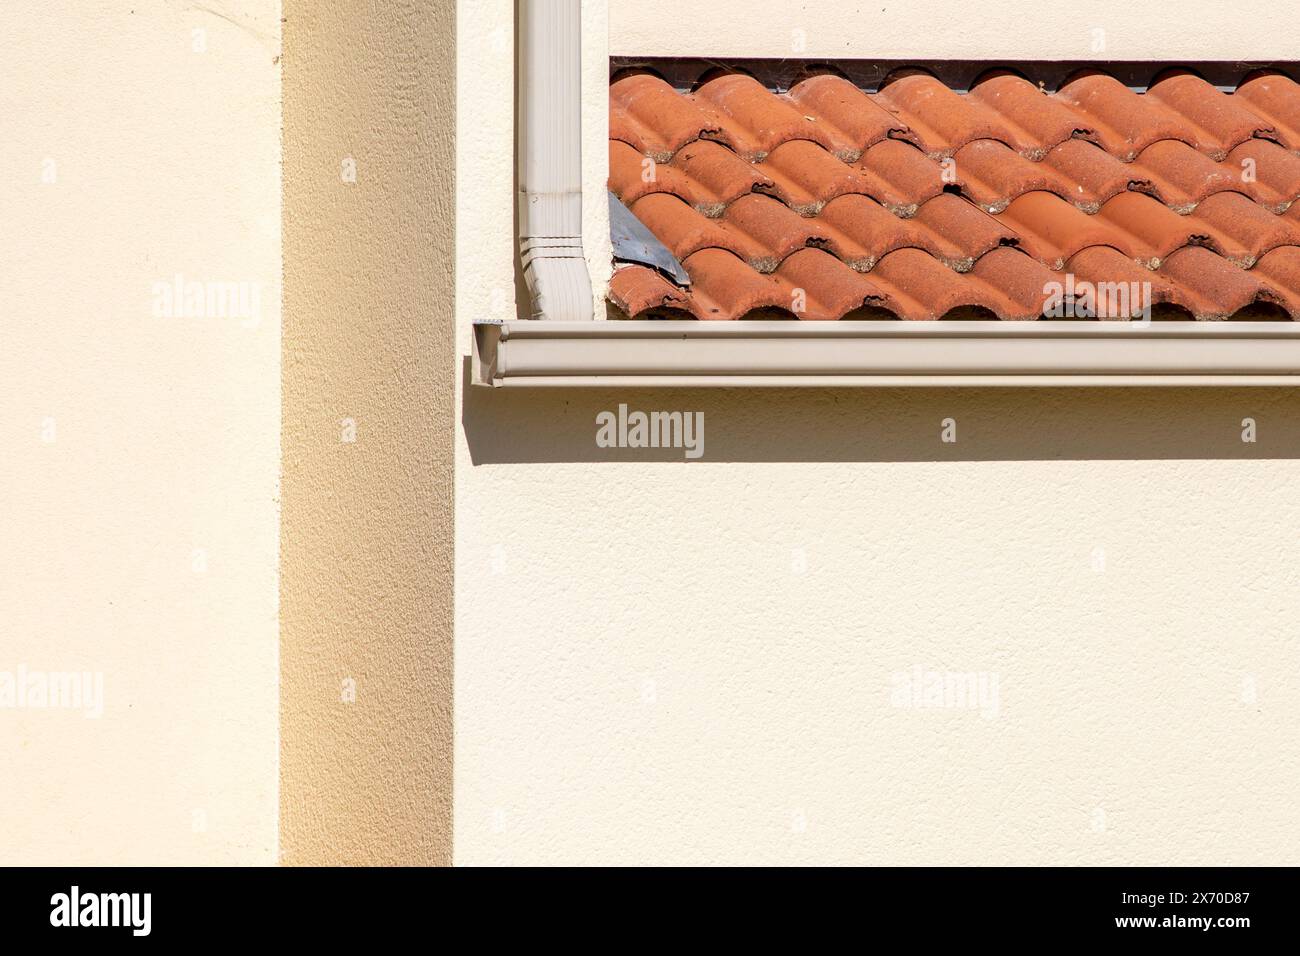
pixel 639 289
pixel 928 202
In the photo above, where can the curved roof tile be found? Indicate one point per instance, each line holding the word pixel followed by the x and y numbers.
pixel 930 202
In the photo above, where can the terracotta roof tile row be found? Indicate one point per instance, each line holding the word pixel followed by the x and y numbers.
pixel 805 177
pixel 812 284
pixel 826 200
pixel 855 228
pixel 738 111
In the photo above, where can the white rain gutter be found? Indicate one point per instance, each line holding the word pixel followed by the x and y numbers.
pixel 549 159
pixel 794 353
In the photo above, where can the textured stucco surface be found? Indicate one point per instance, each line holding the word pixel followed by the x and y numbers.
pixel 661 661
pixel 950 29
pixel 366 531
pixel 141 449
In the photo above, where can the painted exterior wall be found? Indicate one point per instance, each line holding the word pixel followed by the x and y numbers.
pixel 368 403
pixel 140 540
pixel 141 436
pixel 672 662
pixel 949 29
pixel 657 661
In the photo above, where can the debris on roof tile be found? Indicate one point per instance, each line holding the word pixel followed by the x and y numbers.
pixel 633 242
pixel 917 200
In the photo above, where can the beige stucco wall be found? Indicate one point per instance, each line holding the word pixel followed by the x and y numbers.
pixel 660 661
pixel 140 541
pixel 368 393
pixel 141 447
pixel 656 661
pixel 950 29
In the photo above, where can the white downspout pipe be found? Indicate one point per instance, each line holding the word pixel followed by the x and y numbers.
pixel 549 159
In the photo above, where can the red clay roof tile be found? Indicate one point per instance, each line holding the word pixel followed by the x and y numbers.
pixel 1266 172
pixel 1276 98
pixel 1220 122
pixel 810 284
pixel 945 121
pixel 957 232
pixel 993 174
pixel 1095 175
pixel 772 228
pixel 638 289
pixel 1005 283
pixel 864 231
pixel 685 231
pixel 837 102
pixel 649 115
pixel 755 121
pixel 1180 177
pixel 806 177
pixel 1052 230
pixel 901 177
pixel 1151 230
pixel 1243 230
pixel 917 286
pixel 1102 264
pixel 947 227
pixel 1039 121
pixel 822 287
pixel 1215 288
pixel 1022 282
pixel 707 175
pixel 723 287
pixel 827 200
pixel 1280 268
pixel 1125 122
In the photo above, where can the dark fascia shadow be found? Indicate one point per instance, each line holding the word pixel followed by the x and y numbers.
pixel 521 425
